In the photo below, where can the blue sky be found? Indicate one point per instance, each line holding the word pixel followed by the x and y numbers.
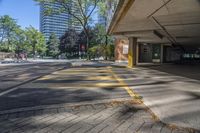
pixel 26 12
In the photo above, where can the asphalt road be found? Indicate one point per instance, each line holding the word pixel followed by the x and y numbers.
pixel 13 75
pixel 87 83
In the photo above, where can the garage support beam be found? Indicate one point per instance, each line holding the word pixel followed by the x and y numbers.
pixel 132 52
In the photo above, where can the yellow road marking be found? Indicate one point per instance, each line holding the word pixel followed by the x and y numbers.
pixel 73 72
pixel 46 78
pixel 100 78
pixel 124 85
pixel 94 85
pixel 107 69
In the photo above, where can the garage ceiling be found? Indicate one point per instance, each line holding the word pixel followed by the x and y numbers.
pixel 162 21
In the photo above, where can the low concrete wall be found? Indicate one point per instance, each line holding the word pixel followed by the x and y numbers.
pixel 4 55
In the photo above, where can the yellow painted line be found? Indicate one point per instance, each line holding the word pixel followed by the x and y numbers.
pixel 81 71
pixel 94 85
pixel 108 78
pixel 46 78
pixel 93 74
pixel 125 86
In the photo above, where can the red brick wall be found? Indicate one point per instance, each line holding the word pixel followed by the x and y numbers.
pixel 119 56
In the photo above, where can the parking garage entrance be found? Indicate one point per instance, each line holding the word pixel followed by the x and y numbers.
pixel 163 53
pixel 149 53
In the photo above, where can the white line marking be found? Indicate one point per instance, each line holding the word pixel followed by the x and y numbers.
pixel 8 91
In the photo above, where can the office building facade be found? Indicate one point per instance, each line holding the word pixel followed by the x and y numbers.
pixel 57 23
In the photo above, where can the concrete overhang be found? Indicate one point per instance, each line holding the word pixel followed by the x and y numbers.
pixel 158 21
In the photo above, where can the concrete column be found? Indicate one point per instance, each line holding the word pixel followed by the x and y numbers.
pixel 120 55
pixel 132 52
pixel 161 54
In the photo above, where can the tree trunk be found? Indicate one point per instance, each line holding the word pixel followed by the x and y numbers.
pixel 106 47
pixel 34 51
pixel 87 38
pixel 87 42
pixel 87 47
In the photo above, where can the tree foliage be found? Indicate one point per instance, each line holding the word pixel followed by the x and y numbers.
pixel 69 42
pixel 8 27
pixel 98 46
pixel 53 46
pixel 36 40
pixel 84 9
pixel 15 39
pixel 102 8
pixel 105 51
pixel 20 41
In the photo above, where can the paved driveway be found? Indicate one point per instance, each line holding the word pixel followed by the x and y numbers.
pixel 171 91
pixel 88 97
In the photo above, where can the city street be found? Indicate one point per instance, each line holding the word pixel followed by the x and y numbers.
pixel 14 75
pixel 85 97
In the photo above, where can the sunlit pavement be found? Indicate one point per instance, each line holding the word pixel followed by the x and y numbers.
pixel 87 97
pixel 172 92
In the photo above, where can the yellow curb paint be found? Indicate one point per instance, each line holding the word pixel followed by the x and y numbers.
pixel 125 86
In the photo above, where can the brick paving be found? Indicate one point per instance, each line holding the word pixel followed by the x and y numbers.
pixel 116 117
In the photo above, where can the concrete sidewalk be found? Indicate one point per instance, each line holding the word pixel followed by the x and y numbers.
pixel 174 99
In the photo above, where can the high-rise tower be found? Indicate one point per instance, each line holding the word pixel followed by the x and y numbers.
pixel 56 23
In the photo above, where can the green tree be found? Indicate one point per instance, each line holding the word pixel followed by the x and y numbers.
pixel 98 35
pixel 53 46
pixel 105 38
pixel 101 42
pixel 102 8
pixel 36 40
pixel 83 13
pixel 20 41
pixel 69 43
pixel 8 27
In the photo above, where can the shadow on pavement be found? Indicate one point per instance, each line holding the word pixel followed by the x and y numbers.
pixel 172 97
pixel 45 96
pixel 189 71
